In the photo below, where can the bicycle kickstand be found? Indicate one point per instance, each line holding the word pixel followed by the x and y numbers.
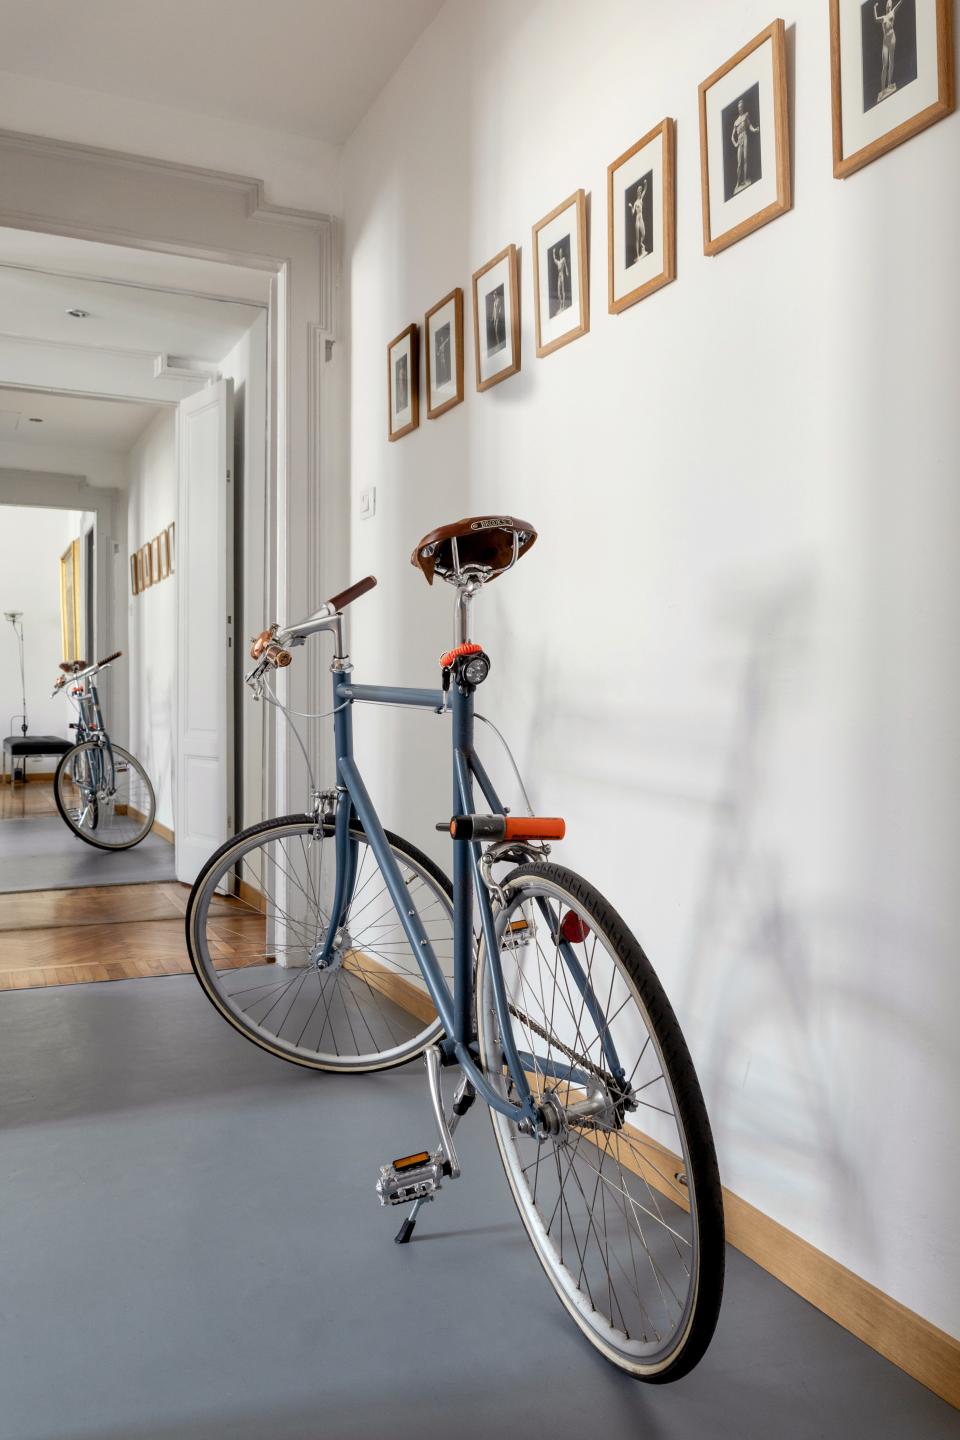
pixel 418 1177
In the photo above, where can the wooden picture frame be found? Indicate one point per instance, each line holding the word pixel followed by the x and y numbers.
pixel 563 232
pixel 496 314
pixel 171 545
pixel 70 601
pixel 654 251
pixel 164 539
pixel 732 180
pixel 443 350
pixel 403 383
pixel 134 575
pixel 155 559
pixel 929 24
pixel 145 576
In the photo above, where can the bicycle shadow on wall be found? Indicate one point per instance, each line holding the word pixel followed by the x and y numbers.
pixel 751 954
pixel 746 940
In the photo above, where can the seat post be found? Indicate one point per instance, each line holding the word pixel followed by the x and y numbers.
pixel 466 589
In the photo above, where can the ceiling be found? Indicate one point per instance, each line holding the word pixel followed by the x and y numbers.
pixel 308 68
pixel 33 250
pixel 111 425
pixel 34 304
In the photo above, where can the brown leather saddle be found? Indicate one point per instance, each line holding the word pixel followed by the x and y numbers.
pixel 70 667
pixel 478 548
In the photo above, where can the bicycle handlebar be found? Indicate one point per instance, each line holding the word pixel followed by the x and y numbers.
pixel 269 648
pixel 75 674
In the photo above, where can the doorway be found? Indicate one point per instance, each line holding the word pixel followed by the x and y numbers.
pixel 123 467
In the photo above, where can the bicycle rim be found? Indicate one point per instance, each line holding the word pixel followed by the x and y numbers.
pixel 257 923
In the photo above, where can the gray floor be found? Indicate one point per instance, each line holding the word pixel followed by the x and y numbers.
pixel 38 852
pixel 191 1247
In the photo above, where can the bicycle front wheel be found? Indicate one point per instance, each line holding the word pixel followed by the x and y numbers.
pixel 104 795
pixel 620 1193
pixel 258 921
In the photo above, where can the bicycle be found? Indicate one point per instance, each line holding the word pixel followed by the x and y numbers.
pixel 550 1010
pixel 103 793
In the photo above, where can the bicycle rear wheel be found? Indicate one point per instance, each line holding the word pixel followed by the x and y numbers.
pixel 257 920
pixel 621 1197
pixel 104 795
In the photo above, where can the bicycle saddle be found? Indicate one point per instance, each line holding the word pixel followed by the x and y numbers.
pixel 480 547
pixel 69 666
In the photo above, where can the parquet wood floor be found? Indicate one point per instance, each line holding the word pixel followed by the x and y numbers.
pixel 111 932
pixel 19 802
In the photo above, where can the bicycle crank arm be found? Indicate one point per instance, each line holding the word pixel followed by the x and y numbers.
pixel 418 1177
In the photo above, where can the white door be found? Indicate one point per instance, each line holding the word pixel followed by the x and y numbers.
pixel 204 567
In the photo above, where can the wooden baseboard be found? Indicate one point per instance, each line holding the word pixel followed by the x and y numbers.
pixel 30 777
pixel 908 1340
pixel 391 985
pixel 163 831
pixel 899 1334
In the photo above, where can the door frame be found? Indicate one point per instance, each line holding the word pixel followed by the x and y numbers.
pixel 89 193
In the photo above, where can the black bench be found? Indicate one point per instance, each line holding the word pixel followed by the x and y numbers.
pixel 25 746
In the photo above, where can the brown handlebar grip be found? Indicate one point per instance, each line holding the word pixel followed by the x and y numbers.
pixel 107 658
pixel 352 592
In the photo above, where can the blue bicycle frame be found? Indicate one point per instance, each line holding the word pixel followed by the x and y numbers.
pixel 454 1009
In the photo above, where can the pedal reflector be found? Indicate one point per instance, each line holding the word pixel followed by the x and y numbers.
pixel 410 1162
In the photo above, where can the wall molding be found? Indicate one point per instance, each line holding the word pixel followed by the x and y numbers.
pixel 257 207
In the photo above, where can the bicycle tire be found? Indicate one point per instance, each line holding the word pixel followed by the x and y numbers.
pixel 148 798
pixel 661 1359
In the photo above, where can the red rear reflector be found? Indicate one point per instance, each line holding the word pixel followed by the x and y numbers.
pixel 574 929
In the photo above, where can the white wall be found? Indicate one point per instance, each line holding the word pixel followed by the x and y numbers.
pixel 32 541
pixel 246 365
pixel 731 658
pixel 151 658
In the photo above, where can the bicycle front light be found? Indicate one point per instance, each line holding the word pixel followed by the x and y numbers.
pixel 476 669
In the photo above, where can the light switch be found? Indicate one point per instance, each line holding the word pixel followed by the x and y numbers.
pixel 368 502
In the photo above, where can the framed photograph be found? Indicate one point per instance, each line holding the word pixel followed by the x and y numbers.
pixel 560 285
pixel 443 340
pixel 164 554
pixel 155 559
pixel 403 383
pixel 891 68
pixel 171 537
pixel 70 601
pixel 641 219
pixel 496 318
pixel 146 579
pixel 134 576
pixel 745 142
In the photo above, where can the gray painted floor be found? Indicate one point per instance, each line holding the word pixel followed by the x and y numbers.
pixel 38 852
pixel 191 1247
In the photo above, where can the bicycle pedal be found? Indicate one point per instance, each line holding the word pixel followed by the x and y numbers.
pixel 412 1177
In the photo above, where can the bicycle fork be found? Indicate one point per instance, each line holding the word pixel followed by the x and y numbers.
pixel 418 1177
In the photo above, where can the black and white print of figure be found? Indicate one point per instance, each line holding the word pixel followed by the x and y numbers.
pixel 441 355
pixel 400 386
pixel 740 121
pixel 888 32
pixel 638 220
pixel 558 285
pixel 496 321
